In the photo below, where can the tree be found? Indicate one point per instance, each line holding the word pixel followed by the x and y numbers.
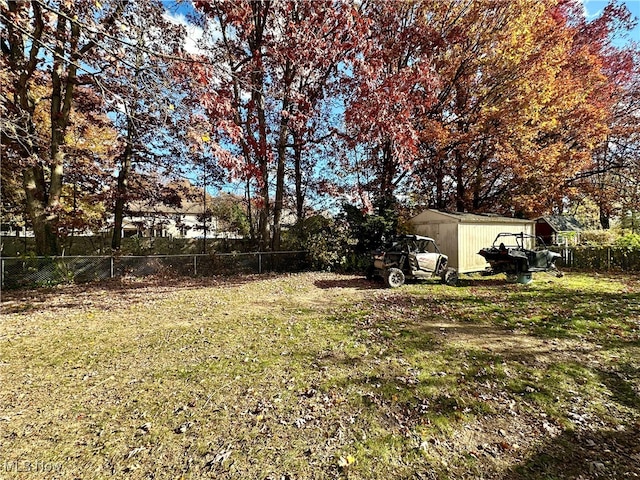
pixel 145 105
pixel 391 81
pixel 369 230
pixel 520 106
pixel 90 144
pixel 481 106
pixel 279 58
pixel 229 209
pixel 47 44
pixel 610 179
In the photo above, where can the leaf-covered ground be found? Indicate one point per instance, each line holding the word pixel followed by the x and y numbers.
pixel 317 375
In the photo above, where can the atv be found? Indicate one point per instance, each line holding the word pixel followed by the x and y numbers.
pixel 517 256
pixel 410 257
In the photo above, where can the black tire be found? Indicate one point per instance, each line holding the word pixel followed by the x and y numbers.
pixel 450 277
pixel 394 278
pixel 370 274
pixel 512 277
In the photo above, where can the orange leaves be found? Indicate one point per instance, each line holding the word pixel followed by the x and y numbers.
pixel 521 103
pixel 490 104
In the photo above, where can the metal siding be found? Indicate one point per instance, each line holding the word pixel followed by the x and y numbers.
pixel 448 242
pixel 462 240
pixel 472 237
pixel 431 216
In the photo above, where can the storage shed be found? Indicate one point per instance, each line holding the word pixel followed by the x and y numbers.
pixel 462 235
pixel 558 230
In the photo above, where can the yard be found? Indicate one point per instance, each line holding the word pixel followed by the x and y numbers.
pixel 317 375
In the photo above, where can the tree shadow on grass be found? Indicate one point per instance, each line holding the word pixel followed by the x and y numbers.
pixel 620 384
pixel 473 280
pixel 487 354
pixel 402 402
pixel 358 283
pixel 110 294
pixel 583 454
pixel 547 312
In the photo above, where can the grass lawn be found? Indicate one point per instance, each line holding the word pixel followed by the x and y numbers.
pixel 317 375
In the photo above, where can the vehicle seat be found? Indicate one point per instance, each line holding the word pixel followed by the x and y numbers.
pixel 541 259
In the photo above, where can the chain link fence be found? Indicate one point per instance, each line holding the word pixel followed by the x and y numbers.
pixel 45 271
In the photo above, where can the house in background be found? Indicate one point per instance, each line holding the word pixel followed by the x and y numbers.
pixel 558 229
pixel 462 235
pixel 188 220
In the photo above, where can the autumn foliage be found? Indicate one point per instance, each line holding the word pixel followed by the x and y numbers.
pixel 514 107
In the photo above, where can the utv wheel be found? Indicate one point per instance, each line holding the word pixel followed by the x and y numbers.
pixel 450 277
pixel 512 277
pixel 525 278
pixel 370 273
pixel 394 278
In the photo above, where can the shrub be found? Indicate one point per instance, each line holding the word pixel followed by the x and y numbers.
pixel 630 241
pixel 595 238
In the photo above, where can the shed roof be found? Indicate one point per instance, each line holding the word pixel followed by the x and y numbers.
pixel 464 217
pixel 561 223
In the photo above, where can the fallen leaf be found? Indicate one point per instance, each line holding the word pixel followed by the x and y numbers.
pixel 183 428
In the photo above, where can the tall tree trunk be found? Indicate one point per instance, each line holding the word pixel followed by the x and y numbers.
pixel 260 12
pixel 252 228
pixel 281 154
pixel 43 225
pixel 263 162
pixel 126 159
pixel 279 200
pixel 26 66
pixel 297 160
pixel 440 204
pixel 121 197
pixel 460 188
pixel 33 178
pixel 387 175
pixel 477 185
pixel 605 218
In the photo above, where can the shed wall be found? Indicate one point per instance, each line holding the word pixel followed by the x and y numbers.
pixel 462 240
pixel 445 235
pixel 474 236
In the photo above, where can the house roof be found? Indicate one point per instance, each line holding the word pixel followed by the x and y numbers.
pixel 186 207
pixel 463 217
pixel 561 223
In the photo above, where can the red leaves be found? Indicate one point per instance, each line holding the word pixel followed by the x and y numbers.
pixel 477 101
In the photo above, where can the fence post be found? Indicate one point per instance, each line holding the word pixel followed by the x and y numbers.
pixel 195 265
pixel 259 262
pixel 111 267
pixel 2 272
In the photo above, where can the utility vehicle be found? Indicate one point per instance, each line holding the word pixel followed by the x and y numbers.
pixel 411 257
pixel 519 255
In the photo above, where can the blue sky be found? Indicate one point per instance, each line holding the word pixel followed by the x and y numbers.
pixel 594 8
